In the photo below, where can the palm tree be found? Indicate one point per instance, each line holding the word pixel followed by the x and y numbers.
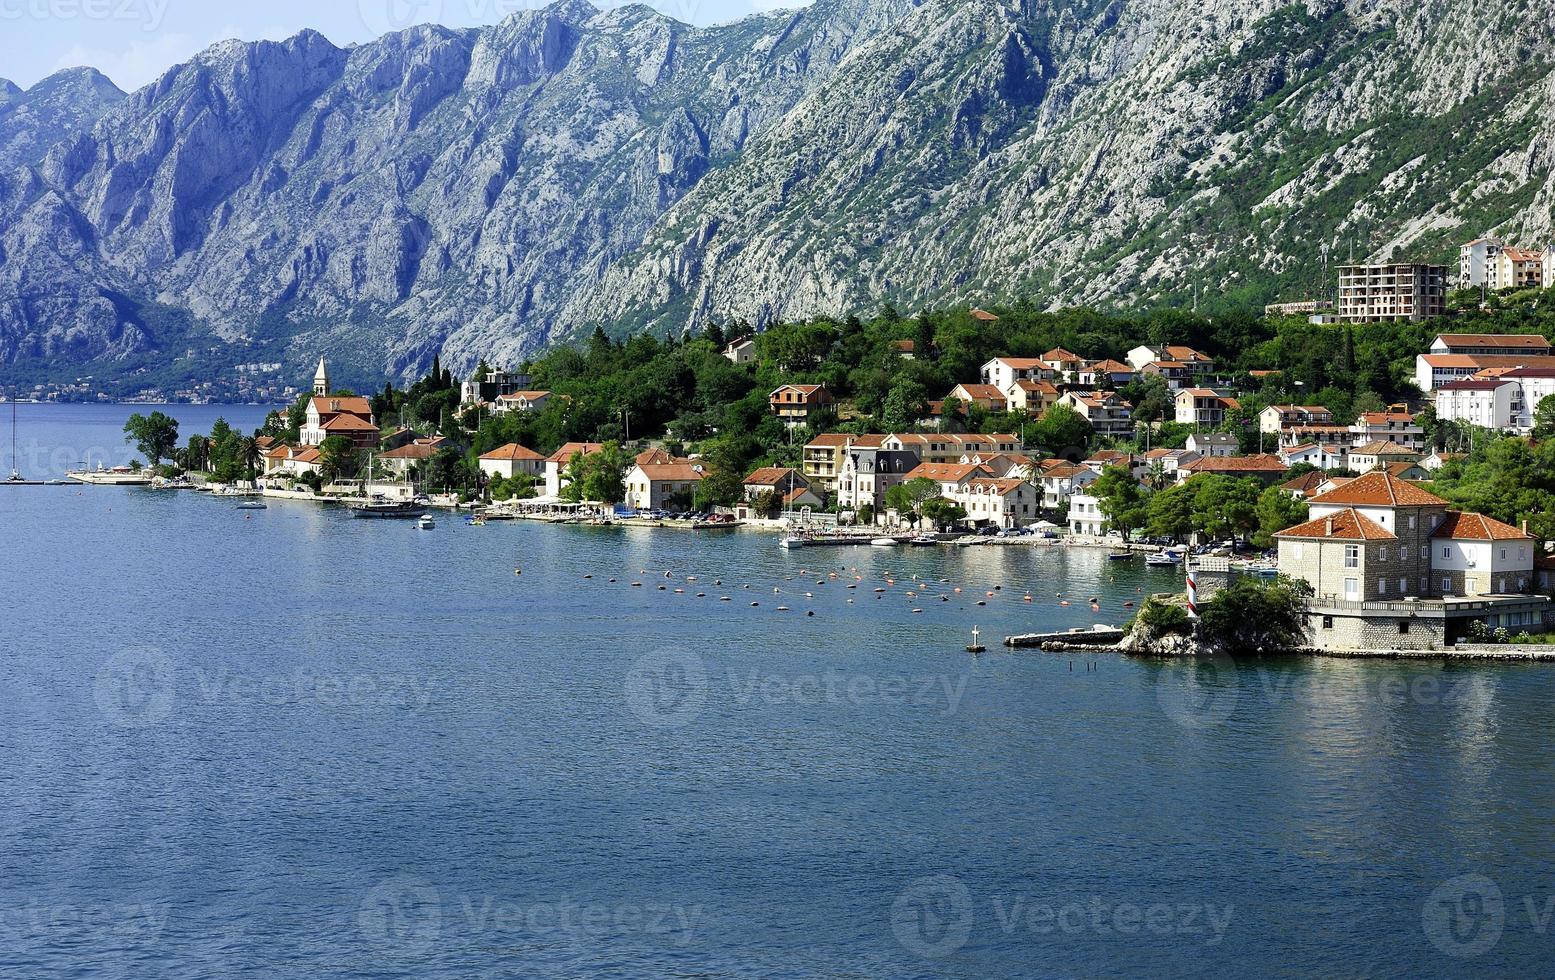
pixel 249 455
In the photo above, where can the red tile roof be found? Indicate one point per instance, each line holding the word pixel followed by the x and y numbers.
pixel 351 404
pixel 1344 525
pixel 1530 341
pixel 771 476
pixel 1459 526
pixel 1379 489
pixel 659 472
pixel 947 472
pixel 1236 464
pixel 514 453
pixel 565 453
pixel 347 423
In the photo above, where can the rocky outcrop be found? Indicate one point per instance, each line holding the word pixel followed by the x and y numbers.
pixel 486 192
pixel 58 107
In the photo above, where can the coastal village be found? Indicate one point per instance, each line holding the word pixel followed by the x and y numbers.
pixel 1261 488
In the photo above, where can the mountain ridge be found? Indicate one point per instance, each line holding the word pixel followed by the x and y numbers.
pixel 485 192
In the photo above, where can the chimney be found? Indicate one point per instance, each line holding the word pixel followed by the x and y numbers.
pixel 1330 527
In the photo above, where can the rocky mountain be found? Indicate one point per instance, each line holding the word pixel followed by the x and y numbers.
pixel 58 107
pixel 485 192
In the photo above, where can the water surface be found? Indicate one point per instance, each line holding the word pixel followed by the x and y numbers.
pixel 286 743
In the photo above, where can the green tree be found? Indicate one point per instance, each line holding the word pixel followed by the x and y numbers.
pixel 339 459
pixel 1124 502
pixel 599 476
pixel 1277 510
pixel 905 404
pixel 1170 514
pixel 1251 616
pixel 1061 430
pixel 155 436
pixel 1544 418
pixel 908 498
pixel 942 512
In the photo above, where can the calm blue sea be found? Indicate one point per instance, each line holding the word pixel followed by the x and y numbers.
pixel 288 744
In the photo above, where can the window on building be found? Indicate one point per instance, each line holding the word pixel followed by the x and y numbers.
pixel 1328 622
pixel 1352 556
pixel 1446 552
pixel 1382 586
pixel 1446 584
pixel 1403 627
pixel 1352 589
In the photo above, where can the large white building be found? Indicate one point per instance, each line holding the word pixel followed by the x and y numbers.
pixel 1485 402
pixel 1475 260
pixel 1506 402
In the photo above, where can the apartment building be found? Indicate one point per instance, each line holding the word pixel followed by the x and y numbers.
pixel 1517 268
pixel 1278 417
pixel 1434 370
pixel 1476 259
pixel 1004 372
pixel 1391 292
pixel 1203 407
pixel 1108 414
pixel 1396 425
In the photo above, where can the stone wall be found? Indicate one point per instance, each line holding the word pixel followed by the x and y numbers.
pixel 1344 629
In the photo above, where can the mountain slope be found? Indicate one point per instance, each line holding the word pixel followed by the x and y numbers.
pixel 482 193
pixel 434 186
pixel 1134 151
pixel 57 107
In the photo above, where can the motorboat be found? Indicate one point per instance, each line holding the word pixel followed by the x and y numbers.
pixel 426 523
pixel 1121 556
pixel 924 540
pixel 1166 559
pixel 382 508
pixel 883 542
pixel 792 541
pixel 253 505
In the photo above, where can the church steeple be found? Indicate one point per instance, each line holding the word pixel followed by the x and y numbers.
pixel 321 379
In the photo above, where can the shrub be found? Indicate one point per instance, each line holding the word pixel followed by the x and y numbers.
pixel 1162 618
pixel 1252 616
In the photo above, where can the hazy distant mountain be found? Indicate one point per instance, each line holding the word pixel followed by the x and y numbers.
pixel 483 192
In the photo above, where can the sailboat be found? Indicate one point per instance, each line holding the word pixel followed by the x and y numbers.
pixel 15 479
pixel 16 474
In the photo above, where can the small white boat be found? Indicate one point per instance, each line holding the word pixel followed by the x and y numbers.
pixel 253 505
pixel 925 540
pixel 793 542
pixel 426 523
pixel 883 542
pixel 1164 559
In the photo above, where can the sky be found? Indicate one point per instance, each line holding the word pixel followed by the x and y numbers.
pixel 134 41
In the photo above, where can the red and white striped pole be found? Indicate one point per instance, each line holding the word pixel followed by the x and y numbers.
pixel 1193 593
